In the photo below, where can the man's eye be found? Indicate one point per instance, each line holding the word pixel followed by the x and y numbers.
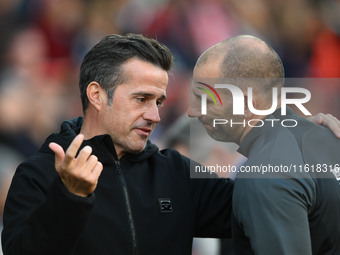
pixel 141 99
pixel 159 103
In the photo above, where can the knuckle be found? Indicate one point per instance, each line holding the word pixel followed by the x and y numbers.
pixel 64 168
pixel 88 180
pixel 82 176
pixel 93 181
pixel 68 155
pixel 62 175
pixel 74 175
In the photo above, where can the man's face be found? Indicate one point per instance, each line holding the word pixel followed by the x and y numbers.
pixel 209 74
pixel 133 114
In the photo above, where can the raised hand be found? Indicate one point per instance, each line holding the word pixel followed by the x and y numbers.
pixel 327 120
pixel 79 174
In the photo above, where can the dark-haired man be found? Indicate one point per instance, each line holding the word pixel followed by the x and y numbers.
pixel 114 192
pixel 286 198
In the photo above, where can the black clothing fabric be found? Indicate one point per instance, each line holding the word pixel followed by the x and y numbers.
pixel 294 212
pixel 143 204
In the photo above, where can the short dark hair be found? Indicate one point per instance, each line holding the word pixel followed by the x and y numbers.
pixel 104 61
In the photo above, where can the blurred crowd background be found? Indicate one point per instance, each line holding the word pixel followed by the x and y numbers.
pixel 43 42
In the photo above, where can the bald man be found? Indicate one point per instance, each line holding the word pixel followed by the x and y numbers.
pixel 286 199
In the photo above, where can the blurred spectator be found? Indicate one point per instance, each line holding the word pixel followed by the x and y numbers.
pixel 255 17
pixel 9 160
pixel 325 48
pixel 99 20
pixel 330 10
pixel 15 112
pixel 32 98
pixel 59 22
pixel 190 27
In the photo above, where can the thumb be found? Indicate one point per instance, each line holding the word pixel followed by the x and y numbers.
pixel 59 154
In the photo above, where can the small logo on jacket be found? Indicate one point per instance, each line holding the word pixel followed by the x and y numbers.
pixel 165 205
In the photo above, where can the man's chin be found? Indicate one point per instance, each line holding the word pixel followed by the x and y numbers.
pixel 138 148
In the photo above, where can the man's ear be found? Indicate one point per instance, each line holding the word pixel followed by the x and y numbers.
pixel 93 92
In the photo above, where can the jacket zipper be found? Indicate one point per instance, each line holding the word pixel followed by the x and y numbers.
pixel 119 172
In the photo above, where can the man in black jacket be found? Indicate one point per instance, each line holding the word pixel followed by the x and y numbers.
pixel 114 192
pixel 287 195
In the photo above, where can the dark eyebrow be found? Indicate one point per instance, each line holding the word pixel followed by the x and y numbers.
pixel 163 97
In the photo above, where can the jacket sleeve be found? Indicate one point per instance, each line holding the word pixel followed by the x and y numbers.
pixel 41 216
pixel 212 198
pixel 271 216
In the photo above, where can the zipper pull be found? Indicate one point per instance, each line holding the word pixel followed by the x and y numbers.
pixel 117 170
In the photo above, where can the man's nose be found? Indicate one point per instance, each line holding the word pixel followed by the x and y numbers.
pixel 152 114
pixel 194 110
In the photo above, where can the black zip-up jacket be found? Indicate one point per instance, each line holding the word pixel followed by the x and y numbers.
pixel 143 204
